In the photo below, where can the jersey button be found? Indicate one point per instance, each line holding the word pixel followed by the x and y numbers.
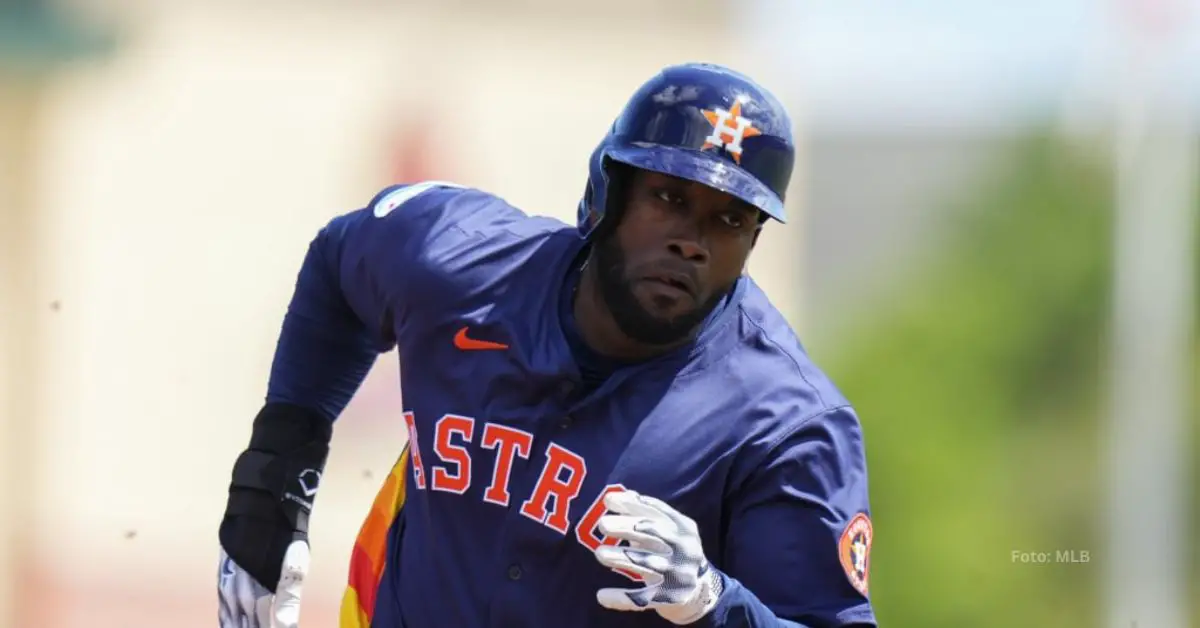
pixel 566 422
pixel 514 572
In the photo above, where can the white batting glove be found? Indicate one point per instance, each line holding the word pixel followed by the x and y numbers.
pixel 665 550
pixel 244 603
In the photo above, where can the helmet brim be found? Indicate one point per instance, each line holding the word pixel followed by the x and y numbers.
pixel 704 168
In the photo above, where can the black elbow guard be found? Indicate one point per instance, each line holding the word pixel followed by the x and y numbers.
pixel 274 484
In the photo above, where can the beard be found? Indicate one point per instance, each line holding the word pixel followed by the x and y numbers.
pixel 616 291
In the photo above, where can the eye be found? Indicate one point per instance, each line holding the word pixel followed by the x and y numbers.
pixel 734 220
pixel 668 196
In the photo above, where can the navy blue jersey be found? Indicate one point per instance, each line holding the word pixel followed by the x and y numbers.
pixel 510 453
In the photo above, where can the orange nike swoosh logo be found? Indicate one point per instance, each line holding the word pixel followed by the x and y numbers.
pixel 470 344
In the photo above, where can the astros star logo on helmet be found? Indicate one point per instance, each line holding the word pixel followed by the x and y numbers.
pixel 730 128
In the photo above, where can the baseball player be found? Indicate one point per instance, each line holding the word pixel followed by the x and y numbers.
pixel 609 423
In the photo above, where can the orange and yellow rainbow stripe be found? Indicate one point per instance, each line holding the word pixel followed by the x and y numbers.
pixel 370 549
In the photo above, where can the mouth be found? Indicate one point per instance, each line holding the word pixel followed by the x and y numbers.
pixel 677 281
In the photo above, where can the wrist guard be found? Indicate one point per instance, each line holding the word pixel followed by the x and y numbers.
pixel 274 483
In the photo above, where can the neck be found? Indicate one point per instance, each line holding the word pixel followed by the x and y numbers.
pixel 600 330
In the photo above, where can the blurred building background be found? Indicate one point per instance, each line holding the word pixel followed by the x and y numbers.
pixel 994 255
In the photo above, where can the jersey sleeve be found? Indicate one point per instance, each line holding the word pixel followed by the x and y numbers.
pixel 797 550
pixel 354 286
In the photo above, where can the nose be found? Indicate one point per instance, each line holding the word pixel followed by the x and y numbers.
pixel 689 249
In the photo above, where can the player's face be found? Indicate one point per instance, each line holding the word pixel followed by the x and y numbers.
pixel 676 252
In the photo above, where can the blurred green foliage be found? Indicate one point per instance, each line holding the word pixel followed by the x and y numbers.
pixel 37 35
pixel 980 382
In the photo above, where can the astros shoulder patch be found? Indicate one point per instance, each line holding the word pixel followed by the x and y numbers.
pixel 854 550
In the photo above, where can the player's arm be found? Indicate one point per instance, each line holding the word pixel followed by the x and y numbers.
pixel 347 300
pixel 798 545
pixel 796 548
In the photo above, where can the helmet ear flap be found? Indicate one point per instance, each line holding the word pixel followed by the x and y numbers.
pixel 617 176
pixel 590 214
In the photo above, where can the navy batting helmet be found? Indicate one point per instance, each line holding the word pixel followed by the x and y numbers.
pixel 701 122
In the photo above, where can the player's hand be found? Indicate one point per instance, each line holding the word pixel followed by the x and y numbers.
pixel 665 550
pixel 244 603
